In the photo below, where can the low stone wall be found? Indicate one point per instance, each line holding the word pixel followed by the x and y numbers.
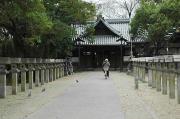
pixel 163 73
pixel 21 74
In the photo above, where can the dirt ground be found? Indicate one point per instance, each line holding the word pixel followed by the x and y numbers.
pixel 144 103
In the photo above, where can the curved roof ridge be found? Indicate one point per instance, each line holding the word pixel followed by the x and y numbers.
pixel 108 26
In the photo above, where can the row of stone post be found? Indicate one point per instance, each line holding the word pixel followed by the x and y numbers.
pixel 139 69
pixel 163 74
pixel 38 74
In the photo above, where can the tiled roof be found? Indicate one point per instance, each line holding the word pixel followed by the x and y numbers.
pixel 103 40
pixel 118 26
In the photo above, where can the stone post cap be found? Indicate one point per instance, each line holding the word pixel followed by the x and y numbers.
pixel 43 67
pixel 23 68
pixel 14 69
pixel 3 69
pixel 37 67
pixel 31 68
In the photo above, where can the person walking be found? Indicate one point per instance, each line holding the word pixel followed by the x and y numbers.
pixel 106 66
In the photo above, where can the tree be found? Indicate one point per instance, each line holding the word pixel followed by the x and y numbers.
pixel 156 18
pixel 64 13
pixel 36 28
pixel 24 21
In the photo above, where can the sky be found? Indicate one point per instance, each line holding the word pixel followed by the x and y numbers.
pixel 110 8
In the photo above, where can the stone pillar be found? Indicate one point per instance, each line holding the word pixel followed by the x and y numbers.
pixel 51 73
pixel 139 71
pixel 31 69
pixel 3 73
pixel 23 70
pixel 154 75
pixel 47 74
pixel 143 72
pixel 178 83
pixel 37 69
pixel 172 76
pixel 71 68
pixel 42 74
pixel 164 79
pixel 57 71
pixel 158 77
pixel 54 73
pixel 135 69
pixel 60 70
pixel 14 71
pixel 150 74
pixel 63 70
pixel 59 67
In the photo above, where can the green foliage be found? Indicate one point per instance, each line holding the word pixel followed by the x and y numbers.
pixel 156 17
pixel 89 33
pixel 64 13
pixel 36 28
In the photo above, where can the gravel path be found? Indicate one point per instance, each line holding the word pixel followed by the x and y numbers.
pixel 91 98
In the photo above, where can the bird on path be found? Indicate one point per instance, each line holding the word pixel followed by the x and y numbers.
pixel 29 94
pixel 43 90
pixel 77 81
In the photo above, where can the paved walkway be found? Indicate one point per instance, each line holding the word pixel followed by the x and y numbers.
pixel 92 98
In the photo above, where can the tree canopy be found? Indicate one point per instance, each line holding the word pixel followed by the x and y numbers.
pixel 156 17
pixel 40 28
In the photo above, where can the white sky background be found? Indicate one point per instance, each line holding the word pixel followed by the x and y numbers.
pixel 111 8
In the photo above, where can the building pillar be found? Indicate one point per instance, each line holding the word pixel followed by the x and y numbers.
pixel 158 77
pixel 23 70
pixel 30 72
pixel 37 69
pixel 172 76
pixel 3 73
pixel 14 71
pixel 164 79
